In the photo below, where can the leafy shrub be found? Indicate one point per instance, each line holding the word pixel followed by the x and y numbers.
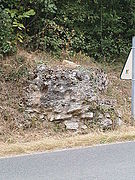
pixel 6 33
pixel 13 15
pixel 99 28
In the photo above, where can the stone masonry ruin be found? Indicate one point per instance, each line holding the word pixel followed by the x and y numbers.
pixel 71 97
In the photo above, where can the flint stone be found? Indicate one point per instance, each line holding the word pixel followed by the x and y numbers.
pixel 33 87
pixel 107 123
pixel 32 110
pixel 74 108
pixel 41 116
pixel 70 64
pixel 38 81
pixel 94 98
pixel 71 125
pixel 41 67
pixel 29 110
pixel 60 117
pixel 107 115
pixel 31 76
pixel 84 127
pixel 88 115
pixel 100 116
pixel 58 110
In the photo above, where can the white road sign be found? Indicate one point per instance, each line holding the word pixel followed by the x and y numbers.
pixel 127 70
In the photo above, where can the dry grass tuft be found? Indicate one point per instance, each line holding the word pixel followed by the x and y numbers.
pixel 54 143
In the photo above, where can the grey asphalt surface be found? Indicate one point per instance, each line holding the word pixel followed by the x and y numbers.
pixel 106 162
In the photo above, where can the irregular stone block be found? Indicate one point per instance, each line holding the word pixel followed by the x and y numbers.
pixel 69 64
pixel 41 116
pixel 88 115
pixel 71 125
pixel 74 108
pixel 84 127
pixel 106 123
pixel 100 116
pixel 60 117
pixel 107 115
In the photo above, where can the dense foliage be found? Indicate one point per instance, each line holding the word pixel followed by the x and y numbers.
pixel 99 28
pixel 6 36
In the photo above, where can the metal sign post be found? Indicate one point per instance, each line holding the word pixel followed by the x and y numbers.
pixel 133 78
pixel 128 72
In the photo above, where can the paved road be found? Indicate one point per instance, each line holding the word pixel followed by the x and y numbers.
pixel 107 162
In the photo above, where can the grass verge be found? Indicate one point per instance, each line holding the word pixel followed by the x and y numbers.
pixel 49 144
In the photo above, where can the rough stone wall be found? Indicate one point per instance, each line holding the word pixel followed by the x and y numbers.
pixel 70 97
